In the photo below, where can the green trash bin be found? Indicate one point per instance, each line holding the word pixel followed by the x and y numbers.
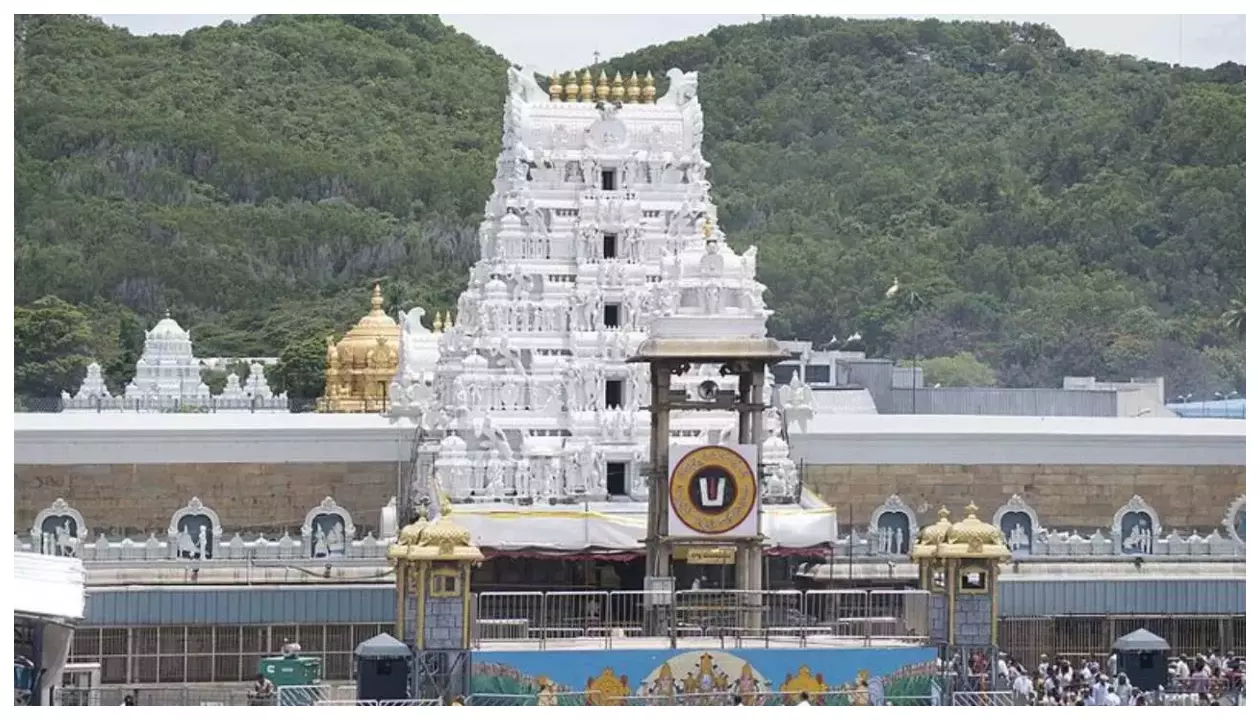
pixel 297 679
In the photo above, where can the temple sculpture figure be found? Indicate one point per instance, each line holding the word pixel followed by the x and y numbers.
pixel 361 366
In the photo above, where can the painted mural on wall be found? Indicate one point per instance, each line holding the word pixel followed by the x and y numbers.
pixel 873 676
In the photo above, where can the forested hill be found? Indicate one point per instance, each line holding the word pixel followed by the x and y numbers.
pixel 1051 211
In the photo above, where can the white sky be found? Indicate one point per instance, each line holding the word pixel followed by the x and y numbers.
pixel 560 42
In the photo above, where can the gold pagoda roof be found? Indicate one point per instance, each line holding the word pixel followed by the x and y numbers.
pixel 970 537
pixel 442 539
pixel 374 326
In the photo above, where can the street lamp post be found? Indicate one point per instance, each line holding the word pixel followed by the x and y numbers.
pixel 915 301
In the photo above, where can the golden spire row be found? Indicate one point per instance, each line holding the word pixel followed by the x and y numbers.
pixel 575 87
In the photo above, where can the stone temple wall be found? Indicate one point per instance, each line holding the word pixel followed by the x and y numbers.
pixel 973 621
pixel 1065 496
pixel 254 497
pixel 249 497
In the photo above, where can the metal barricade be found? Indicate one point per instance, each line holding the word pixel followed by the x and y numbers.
pixel 574 614
pixel 509 616
pixel 625 613
pixel 545 699
pixel 900 615
pixel 980 698
pixel 843 613
pixel 173 696
pixel 295 695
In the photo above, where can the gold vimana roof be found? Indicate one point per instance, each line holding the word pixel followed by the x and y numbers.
pixel 358 369
pixel 573 88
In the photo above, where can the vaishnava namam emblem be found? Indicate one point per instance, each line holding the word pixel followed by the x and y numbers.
pixel 712 489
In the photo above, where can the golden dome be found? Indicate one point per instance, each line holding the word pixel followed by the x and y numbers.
pixel 973 532
pixel 361 366
pixel 376 325
pixel 936 533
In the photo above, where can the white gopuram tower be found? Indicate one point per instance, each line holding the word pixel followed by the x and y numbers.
pixel 599 223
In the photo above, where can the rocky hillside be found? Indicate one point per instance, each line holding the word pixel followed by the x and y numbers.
pixel 1046 211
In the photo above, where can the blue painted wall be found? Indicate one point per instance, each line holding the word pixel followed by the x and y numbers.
pixel 611 673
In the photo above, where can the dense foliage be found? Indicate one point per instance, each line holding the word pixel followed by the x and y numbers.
pixel 1054 211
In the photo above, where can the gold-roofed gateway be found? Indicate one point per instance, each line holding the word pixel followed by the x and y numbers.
pixel 582 87
pixel 360 367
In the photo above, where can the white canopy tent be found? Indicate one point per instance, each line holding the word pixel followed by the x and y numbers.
pixel 48 594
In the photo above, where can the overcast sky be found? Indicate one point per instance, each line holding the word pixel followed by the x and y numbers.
pixel 548 41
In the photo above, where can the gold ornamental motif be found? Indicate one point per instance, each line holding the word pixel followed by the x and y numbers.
pixel 713 490
pixel 607 689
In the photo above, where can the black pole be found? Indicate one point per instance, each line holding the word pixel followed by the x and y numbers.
pixel 851 529
pixel 914 362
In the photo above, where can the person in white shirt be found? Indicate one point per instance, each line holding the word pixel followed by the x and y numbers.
pixel 1022 687
pixel 1043 666
pixel 1183 668
pixel 1112 698
pixel 1111 664
pixel 1124 689
pixel 804 699
pixel 1099 695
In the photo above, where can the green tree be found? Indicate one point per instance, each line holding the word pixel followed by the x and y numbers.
pixel 300 369
pixel 1235 318
pixel 52 342
pixel 961 370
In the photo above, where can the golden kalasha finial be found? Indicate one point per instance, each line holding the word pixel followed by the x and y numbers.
pixel 556 89
pixel 648 95
pixel 571 88
pixel 437 322
pixel 588 89
pixel 632 92
pixel 706 230
pixel 601 90
pixel 618 89
pixel 377 300
pixel 449 322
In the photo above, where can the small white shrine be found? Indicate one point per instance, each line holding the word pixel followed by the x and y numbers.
pixel 168 379
pixel 599 224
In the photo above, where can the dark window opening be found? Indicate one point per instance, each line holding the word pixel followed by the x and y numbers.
pixel 612 315
pixel 610 246
pixel 818 374
pixel 617 478
pixel 783 373
pixel 612 394
pixel 608 179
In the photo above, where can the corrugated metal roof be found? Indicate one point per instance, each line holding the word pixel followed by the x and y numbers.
pixel 1123 597
pixel 339 604
pixel 241 605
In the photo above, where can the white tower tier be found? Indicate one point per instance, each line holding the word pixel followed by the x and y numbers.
pixel 599 230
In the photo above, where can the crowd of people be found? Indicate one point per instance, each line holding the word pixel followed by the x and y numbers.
pixel 1212 679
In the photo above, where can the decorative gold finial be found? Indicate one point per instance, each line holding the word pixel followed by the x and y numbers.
pixel 556 89
pixel 943 513
pixel 437 322
pixel 632 92
pixel 449 322
pixel 377 300
pixel 588 90
pixel 601 90
pixel 571 88
pixel 648 95
pixel 618 88
pixel 972 510
pixel 706 230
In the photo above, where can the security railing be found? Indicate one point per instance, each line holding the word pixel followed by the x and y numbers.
pixel 980 698
pixel 856 697
pixel 383 703
pixel 174 696
pixel 744 618
pixel 291 695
